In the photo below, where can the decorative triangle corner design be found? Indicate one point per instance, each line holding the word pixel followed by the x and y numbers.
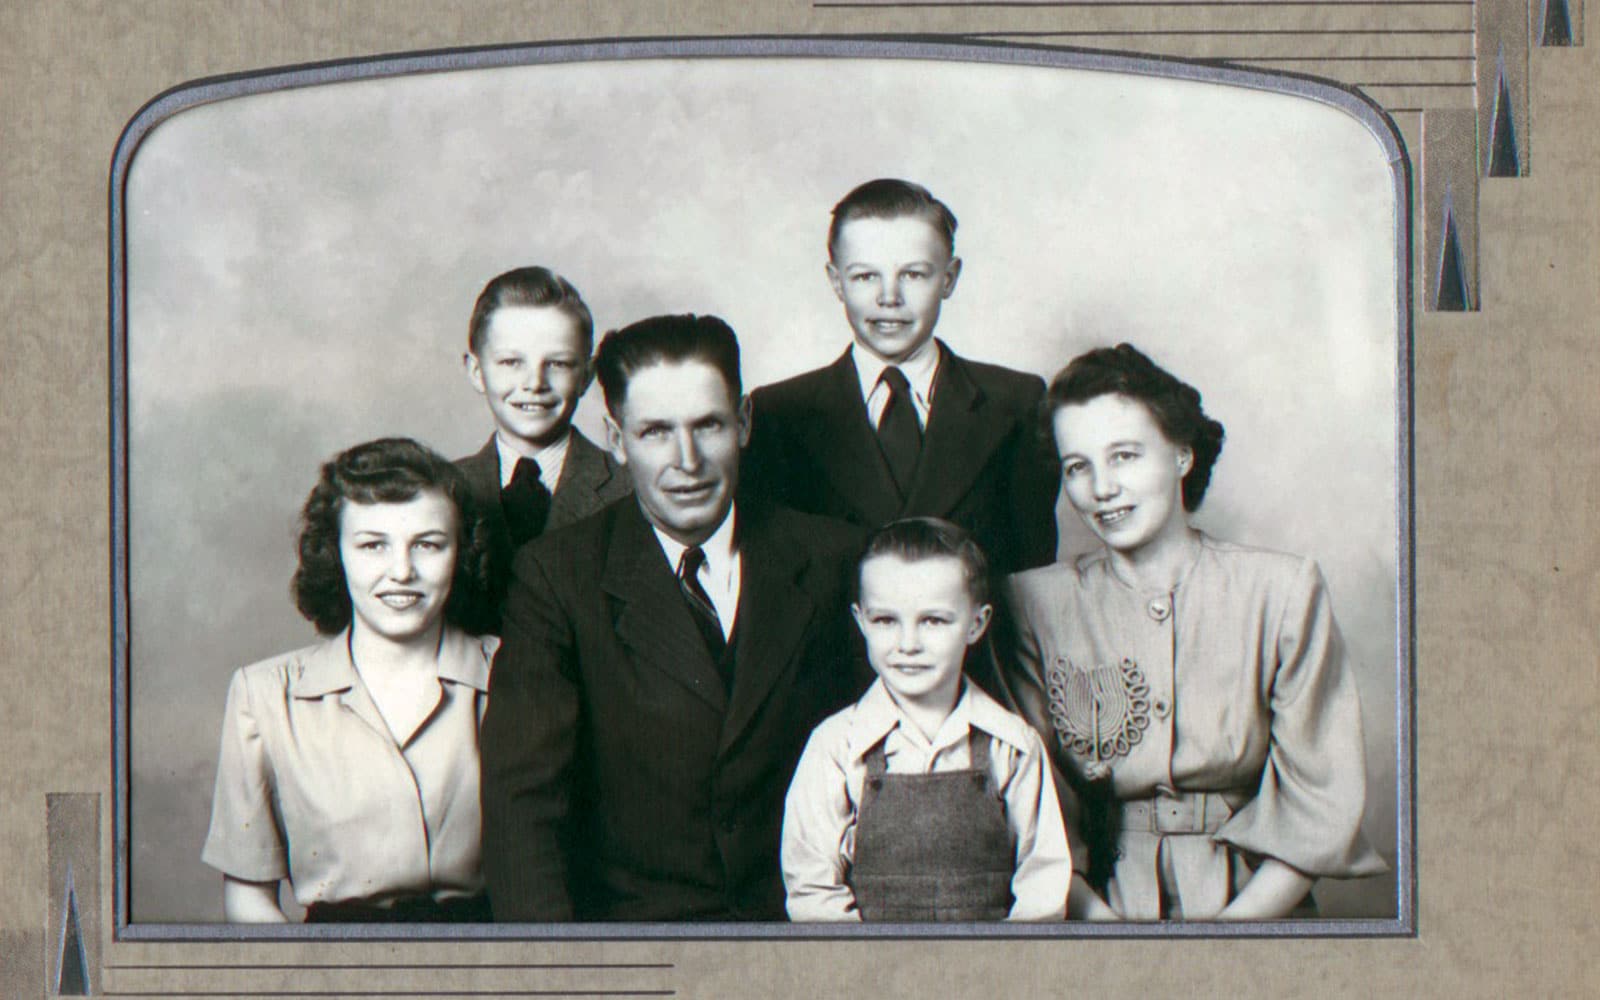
pixel 1557 24
pixel 72 968
pixel 1503 158
pixel 1451 293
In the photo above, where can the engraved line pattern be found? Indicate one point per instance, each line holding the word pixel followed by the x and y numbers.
pixel 388 992
pixel 1411 56
pixel 300 966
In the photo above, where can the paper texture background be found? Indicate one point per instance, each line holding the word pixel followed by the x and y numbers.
pixel 1506 583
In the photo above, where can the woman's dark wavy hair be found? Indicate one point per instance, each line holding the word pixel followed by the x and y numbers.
pixel 1175 404
pixel 391 470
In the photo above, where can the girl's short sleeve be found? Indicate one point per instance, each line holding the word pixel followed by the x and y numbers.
pixel 246 839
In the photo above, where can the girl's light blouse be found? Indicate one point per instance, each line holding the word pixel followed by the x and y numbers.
pixel 312 787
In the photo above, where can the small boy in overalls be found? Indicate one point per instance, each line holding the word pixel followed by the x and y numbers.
pixel 924 800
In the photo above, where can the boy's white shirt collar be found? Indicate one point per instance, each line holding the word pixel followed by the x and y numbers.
pixel 919 370
pixel 876 715
pixel 551 459
pixel 720 575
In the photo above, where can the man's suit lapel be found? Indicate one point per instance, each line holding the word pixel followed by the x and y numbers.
pixel 583 475
pixel 773 615
pixel 839 437
pixel 652 620
pixel 963 429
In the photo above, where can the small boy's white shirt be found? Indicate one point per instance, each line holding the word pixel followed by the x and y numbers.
pixel 819 817
pixel 919 370
pixel 551 458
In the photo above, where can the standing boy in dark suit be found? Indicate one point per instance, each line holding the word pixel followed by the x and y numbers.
pixel 901 426
pixel 528 348
pixel 662 663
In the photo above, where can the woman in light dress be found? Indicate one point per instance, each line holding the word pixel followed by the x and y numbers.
pixel 1194 693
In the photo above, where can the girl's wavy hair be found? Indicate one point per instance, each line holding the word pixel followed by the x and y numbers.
pixel 391 470
pixel 1173 403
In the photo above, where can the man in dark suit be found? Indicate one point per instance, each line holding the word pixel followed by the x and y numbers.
pixel 663 663
pixel 900 425
pixel 528 347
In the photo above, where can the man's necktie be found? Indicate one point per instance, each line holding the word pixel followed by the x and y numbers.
pixel 899 434
pixel 525 501
pixel 700 606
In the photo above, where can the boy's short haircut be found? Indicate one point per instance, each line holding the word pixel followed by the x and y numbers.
pixel 665 340
pixel 529 286
pixel 891 198
pixel 916 538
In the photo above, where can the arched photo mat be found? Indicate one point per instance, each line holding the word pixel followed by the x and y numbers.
pixel 132 412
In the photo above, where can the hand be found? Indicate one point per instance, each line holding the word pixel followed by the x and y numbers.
pixel 1271 893
pixel 251 902
pixel 1083 903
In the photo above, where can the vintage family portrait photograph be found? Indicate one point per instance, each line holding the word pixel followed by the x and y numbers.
pixel 763 488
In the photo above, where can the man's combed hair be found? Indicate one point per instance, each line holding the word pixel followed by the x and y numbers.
pixel 665 340
pixel 1173 403
pixel 529 286
pixel 391 470
pixel 890 198
pixel 916 538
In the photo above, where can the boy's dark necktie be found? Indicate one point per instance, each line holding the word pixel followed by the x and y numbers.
pixel 700 606
pixel 525 501
pixel 899 434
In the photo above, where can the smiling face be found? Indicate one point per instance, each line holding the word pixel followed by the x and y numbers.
pixel 399 559
pixel 918 618
pixel 532 369
pixel 678 433
pixel 1121 473
pixel 892 276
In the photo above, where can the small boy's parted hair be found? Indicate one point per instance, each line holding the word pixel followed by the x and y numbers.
pixel 665 340
pixel 916 538
pixel 891 198
pixel 529 286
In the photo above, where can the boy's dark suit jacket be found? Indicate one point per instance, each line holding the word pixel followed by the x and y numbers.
pixel 620 780
pixel 983 463
pixel 589 480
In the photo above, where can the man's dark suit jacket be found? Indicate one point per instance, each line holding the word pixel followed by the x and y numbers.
pixel 621 781
pixel 589 480
pixel 983 465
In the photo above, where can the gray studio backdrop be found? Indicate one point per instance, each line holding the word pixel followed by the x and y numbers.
pixel 301 266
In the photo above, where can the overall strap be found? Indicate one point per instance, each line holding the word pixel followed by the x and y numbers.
pixel 978 750
pixel 877 763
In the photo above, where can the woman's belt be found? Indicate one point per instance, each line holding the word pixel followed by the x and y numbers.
pixel 1176 812
pixel 1164 852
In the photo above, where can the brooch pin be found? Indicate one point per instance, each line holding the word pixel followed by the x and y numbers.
pixel 1099 712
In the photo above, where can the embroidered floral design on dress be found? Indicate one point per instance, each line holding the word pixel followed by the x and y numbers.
pixel 1099 712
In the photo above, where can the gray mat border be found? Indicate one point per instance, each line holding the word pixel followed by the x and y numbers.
pixel 931 47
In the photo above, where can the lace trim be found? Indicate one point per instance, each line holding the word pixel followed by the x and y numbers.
pixel 1108 706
